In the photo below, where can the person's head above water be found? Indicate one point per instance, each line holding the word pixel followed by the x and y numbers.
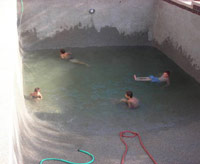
pixel 166 73
pixel 37 90
pixel 129 94
pixel 62 51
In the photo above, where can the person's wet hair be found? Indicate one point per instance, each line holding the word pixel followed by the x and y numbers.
pixel 129 93
pixel 62 51
pixel 167 72
pixel 36 89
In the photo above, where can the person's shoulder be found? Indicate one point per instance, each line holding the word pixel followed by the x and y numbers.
pixel 135 99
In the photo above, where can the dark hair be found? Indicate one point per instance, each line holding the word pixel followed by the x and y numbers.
pixel 168 73
pixel 129 93
pixel 62 51
pixel 36 89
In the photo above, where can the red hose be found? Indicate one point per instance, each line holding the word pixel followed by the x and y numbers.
pixel 134 134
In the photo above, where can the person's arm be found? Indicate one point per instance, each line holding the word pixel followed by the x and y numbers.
pixel 61 56
pixel 129 104
pixel 31 94
pixel 123 100
pixel 167 83
pixel 40 96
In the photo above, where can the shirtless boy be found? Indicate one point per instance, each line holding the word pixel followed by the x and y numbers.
pixel 131 101
pixel 36 94
pixel 68 56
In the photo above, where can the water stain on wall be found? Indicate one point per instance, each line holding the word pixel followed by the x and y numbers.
pixel 82 37
pixel 180 57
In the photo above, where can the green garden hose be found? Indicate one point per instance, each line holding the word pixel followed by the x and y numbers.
pixel 62 160
pixel 22 11
pixel 22 6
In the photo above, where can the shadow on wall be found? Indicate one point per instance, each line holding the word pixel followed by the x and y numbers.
pixel 180 57
pixel 82 37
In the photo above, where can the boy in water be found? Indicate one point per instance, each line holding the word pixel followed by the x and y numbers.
pixel 163 78
pixel 36 94
pixel 67 55
pixel 131 101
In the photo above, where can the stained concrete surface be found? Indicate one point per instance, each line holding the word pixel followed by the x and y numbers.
pixel 176 33
pixel 40 140
pixel 180 57
pixel 82 37
pixel 115 22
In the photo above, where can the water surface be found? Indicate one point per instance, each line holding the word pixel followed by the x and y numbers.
pixel 84 99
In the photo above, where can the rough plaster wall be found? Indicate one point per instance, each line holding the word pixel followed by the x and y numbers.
pixel 48 18
pixel 177 33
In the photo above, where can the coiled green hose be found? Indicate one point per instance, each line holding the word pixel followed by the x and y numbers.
pixel 62 160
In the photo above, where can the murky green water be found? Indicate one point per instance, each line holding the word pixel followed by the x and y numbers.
pixel 85 99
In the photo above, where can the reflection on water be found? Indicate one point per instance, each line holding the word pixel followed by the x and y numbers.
pixel 86 98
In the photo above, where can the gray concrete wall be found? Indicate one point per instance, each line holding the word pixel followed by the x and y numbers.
pixel 176 32
pixel 49 24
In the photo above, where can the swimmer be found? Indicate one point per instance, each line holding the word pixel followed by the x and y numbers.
pixel 131 101
pixel 36 94
pixel 163 78
pixel 67 55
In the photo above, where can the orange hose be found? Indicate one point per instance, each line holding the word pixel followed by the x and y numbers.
pixel 134 134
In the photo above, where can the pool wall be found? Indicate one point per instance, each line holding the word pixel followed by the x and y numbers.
pixel 176 32
pixel 173 30
pixel 49 24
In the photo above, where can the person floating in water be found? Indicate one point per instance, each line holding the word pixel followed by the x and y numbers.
pixel 36 94
pixel 163 78
pixel 68 56
pixel 131 101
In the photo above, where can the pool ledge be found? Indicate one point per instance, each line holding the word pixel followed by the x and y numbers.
pixel 184 3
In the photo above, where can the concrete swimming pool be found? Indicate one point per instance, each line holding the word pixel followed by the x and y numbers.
pixel 80 108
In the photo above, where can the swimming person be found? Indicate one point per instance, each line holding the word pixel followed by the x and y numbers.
pixel 131 101
pixel 36 94
pixel 67 55
pixel 163 78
